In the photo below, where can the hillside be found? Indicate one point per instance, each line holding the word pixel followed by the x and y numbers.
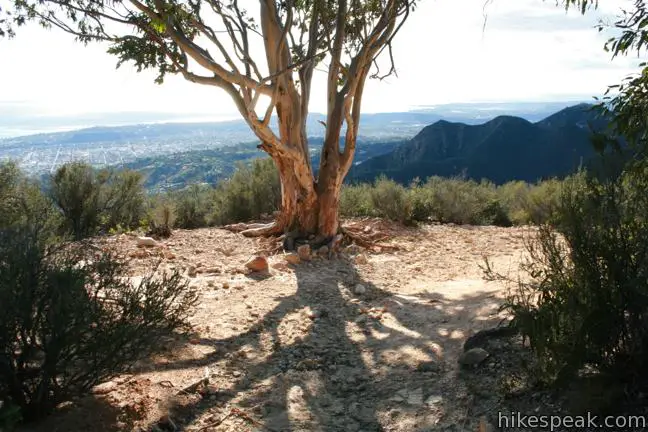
pixel 177 170
pixel 502 149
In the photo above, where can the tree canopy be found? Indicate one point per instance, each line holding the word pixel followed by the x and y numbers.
pixel 626 103
pixel 269 54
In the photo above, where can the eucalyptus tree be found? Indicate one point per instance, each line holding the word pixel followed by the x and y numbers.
pixel 264 55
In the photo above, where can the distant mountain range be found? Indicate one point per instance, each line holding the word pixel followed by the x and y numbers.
pixel 502 149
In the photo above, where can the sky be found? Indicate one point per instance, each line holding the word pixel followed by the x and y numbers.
pixel 529 50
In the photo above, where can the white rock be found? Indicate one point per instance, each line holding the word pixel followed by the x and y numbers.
pixel 146 242
pixel 434 400
pixel 359 289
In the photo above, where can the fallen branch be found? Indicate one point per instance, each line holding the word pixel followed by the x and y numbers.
pixel 240 227
pixel 262 230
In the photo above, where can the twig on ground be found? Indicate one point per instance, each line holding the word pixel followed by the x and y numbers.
pixel 216 423
pixel 193 387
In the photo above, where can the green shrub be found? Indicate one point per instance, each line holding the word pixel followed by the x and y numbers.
pixel 252 191
pixel 161 216
pixel 75 189
pixel 390 200
pixel 192 206
pixel 585 303
pixel 22 203
pixel 543 201
pixel 420 198
pixel 92 200
pixel 70 319
pixel 123 200
pixel 514 197
pixel 355 201
pixel 461 201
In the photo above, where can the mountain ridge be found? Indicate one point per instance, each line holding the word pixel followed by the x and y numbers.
pixel 502 149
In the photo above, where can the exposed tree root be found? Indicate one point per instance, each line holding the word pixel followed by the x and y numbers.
pixel 363 235
pixel 367 240
pixel 255 229
pixel 264 230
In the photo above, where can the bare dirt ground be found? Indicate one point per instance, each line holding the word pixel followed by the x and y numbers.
pixel 305 349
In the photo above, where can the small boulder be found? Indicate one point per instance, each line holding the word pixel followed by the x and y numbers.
pixel 359 289
pixel 434 400
pixel 292 258
pixel 473 357
pixel 257 264
pixel 304 252
pixel 146 242
pixel 323 251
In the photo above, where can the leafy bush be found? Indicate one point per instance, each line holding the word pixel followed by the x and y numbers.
pixel 514 196
pixel 390 199
pixel 192 206
pixel 123 200
pixel 161 216
pixel 75 189
pixel 585 301
pixel 70 319
pixel 461 201
pixel 93 200
pixel 252 191
pixel 543 201
pixel 23 203
pixel 355 200
pixel 420 198
pixel 531 203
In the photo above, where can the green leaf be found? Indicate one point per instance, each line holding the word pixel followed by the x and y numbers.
pixel 158 25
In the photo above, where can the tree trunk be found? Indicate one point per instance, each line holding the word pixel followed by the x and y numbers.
pixel 305 211
pixel 298 205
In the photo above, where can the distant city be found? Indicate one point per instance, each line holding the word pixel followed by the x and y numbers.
pixel 105 146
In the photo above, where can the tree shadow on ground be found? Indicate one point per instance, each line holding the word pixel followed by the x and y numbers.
pixel 359 362
pixel 363 361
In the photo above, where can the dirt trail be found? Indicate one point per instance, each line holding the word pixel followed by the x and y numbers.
pixel 306 348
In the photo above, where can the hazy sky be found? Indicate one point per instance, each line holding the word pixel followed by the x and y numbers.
pixel 531 50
